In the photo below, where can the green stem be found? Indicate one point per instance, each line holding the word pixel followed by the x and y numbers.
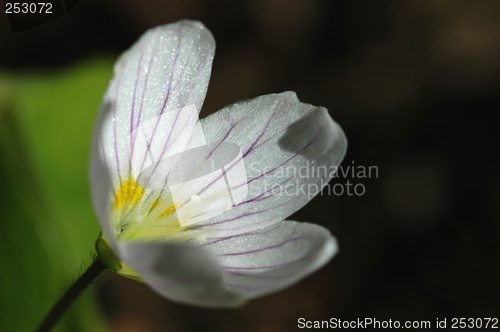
pixel 93 273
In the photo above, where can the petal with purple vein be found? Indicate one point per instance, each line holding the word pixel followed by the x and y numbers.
pixel 167 70
pixel 271 259
pixel 290 150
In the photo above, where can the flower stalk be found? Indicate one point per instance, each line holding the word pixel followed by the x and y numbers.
pixel 94 272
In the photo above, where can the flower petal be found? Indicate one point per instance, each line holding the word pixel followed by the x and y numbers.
pixel 100 181
pixel 289 149
pixel 179 272
pixel 265 261
pixel 159 84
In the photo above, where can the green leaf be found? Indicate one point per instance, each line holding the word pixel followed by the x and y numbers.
pixel 48 227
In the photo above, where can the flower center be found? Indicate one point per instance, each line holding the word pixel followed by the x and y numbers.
pixel 148 215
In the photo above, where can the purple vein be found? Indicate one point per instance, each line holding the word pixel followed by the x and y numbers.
pixel 212 151
pixel 177 53
pixel 262 249
pixel 221 141
pixel 239 235
pixel 241 229
pixel 167 145
pixel 251 213
pixel 272 170
pixel 118 82
pixel 246 153
pixel 286 161
pixel 133 139
pixel 270 138
pixel 277 266
pixel 268 122
pixel 133 108
pixel 215 148
pixel 165 101
pixel 260 197
pixel 191 88
pixel 142 100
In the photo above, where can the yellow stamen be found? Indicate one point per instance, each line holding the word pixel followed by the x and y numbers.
pixel 128 194
pixel 148 217
pixel 168 211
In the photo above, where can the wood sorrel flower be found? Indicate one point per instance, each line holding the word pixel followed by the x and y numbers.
pixel 195 208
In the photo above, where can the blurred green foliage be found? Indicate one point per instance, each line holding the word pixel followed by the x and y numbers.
pixel 48 227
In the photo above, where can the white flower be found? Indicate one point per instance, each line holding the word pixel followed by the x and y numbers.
pixel 194 208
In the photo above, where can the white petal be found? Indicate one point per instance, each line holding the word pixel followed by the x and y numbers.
pixel 271 259
pixel 159 84
pixel 290 151
pixel 179 272
pixel 100 181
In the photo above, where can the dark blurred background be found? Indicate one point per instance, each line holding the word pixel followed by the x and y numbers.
pixel 415 86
